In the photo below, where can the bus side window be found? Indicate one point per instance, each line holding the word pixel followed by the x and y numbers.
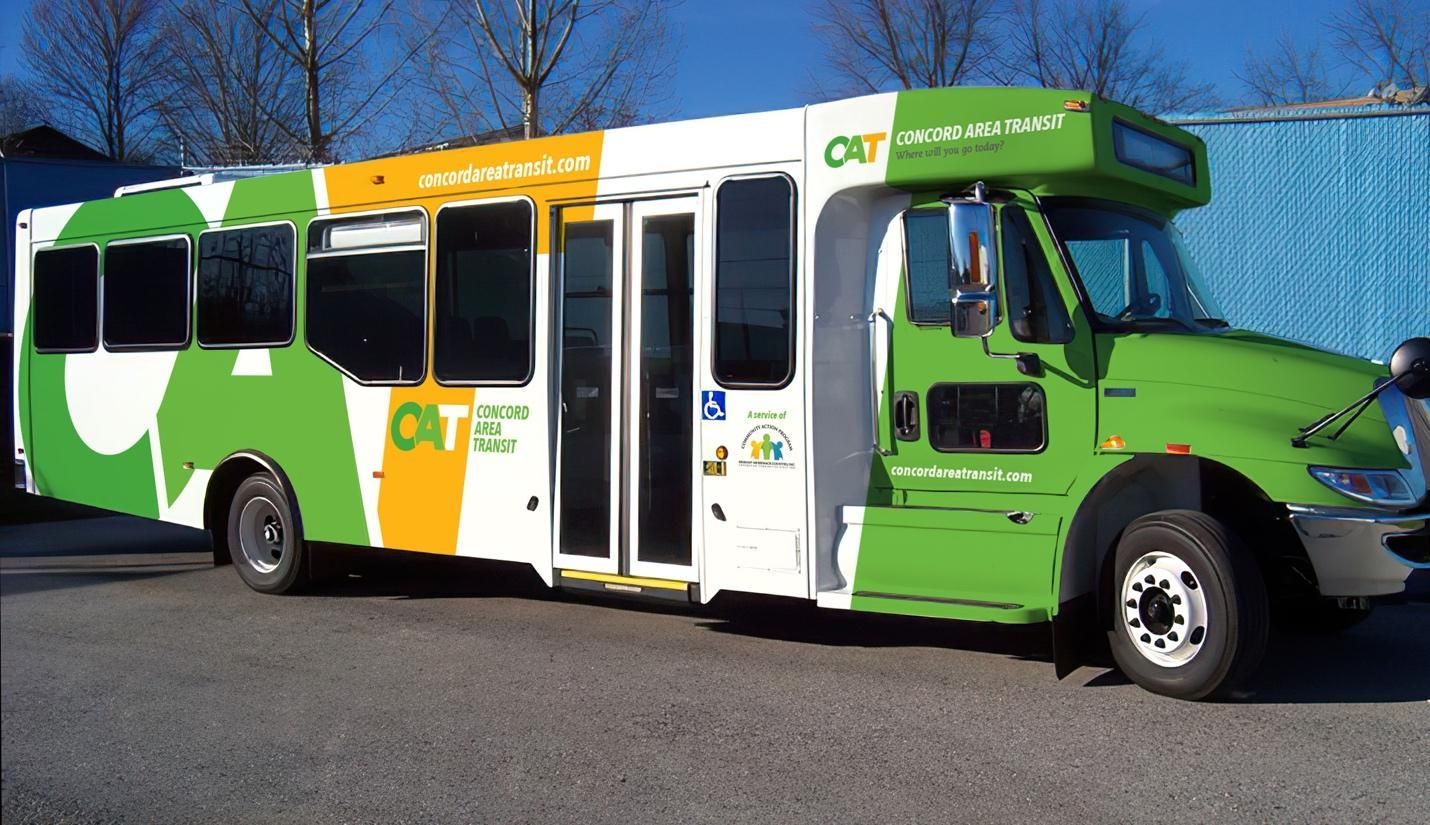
pixel 1035 309
pixel 367 295
pixel 146 294
pixel 245 287
pixel 66 308
pixel 484 280
pixel 754 282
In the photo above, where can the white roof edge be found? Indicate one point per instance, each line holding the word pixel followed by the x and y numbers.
pixel 203 176
pixel 167 183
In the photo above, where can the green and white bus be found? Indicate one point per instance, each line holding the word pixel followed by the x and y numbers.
pixel 936 353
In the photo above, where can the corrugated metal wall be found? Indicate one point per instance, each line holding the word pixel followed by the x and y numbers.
pixel 1318 230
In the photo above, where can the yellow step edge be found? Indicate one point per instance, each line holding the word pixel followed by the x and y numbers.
pixel 634 581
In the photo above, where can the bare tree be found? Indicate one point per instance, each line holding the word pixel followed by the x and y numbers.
pixel 100 60
pixel 233 97
pixel 552 66
pixel 873 44
pixel 19 109
pixel 1287 73
pixel 1389 40
pixel 1095 45
pixel 328 41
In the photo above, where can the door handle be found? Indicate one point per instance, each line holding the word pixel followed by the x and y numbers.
pixel 906 416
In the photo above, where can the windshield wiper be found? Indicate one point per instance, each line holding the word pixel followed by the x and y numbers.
pixel 1214 323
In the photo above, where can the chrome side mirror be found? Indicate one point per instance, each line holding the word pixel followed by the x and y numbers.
pixel 974 311
pixel 974 260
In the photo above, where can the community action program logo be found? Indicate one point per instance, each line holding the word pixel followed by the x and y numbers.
pixel 766 445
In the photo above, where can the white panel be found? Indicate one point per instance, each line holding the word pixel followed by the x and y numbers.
pixel 114 397
pixel 255 363
pixel 188 508
pixel 46 224
pixel 367 421
pixel 320 190
pixel 211 200
pixel 702 146
pixel 21 311
pixel 855 271
pixel 506 468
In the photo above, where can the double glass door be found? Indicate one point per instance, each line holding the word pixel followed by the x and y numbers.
pixel 625 451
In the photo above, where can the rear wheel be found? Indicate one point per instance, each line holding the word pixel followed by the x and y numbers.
pixel 264 539
pixel 1191 616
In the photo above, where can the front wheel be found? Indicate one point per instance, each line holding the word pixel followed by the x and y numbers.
pixel 264 539
pixel 1191 615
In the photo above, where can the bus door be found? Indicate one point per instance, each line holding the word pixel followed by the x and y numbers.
pixel 976 440
pixel 626 460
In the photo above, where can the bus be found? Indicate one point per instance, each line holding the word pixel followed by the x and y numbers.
pixel 936 353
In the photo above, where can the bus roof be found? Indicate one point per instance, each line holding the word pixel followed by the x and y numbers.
pixel 1050 142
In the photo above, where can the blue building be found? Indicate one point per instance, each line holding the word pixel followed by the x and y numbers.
pixel 1319 225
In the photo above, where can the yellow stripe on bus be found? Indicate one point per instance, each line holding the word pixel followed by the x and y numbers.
pixel 607 578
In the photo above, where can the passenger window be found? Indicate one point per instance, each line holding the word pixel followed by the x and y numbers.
pixel 245 287
pixel 1035 309
pixel 999 418
pixel 754 282
pixel 483 301
pixel 929 264
pixel 366 295
pixel 146 294
pixel 66 302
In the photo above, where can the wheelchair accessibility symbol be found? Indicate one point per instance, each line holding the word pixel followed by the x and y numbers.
pixel 712 405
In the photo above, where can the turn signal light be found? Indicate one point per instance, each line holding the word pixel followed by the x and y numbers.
pixel 1384 487
pixel 1179 449
pixel 1113 442
pixel 1075 105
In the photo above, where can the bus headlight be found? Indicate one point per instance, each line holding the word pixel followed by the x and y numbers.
pixel 1384 487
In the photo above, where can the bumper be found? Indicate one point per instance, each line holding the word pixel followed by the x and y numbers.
pixel 1362 552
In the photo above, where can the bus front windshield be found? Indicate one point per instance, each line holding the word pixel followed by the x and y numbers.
pixel 1133 266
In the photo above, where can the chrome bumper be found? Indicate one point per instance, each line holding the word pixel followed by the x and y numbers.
pixel 1352 549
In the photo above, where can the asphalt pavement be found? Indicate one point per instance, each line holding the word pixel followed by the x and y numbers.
pixel 140 684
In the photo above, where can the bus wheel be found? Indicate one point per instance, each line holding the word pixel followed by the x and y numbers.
pixel 264 539
pixel 1191 616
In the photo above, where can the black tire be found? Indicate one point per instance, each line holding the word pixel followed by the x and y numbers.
pixel 1317 616
pixel 1219 590
pixel 265 541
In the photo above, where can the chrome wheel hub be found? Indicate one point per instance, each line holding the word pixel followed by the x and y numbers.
pixel 261 535
pixel 1164 609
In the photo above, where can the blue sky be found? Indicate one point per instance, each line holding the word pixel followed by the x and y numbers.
pixel 750 55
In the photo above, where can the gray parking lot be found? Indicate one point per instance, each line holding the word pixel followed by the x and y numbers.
pixel 140 684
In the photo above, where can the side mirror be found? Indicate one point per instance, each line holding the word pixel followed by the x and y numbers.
pixel 974 311
pixel 973 258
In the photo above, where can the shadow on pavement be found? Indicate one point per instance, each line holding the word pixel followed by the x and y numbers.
pixel 1386 660
pixel 53 545
pixel 803 622
pixel 20 581
pixel 38 526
